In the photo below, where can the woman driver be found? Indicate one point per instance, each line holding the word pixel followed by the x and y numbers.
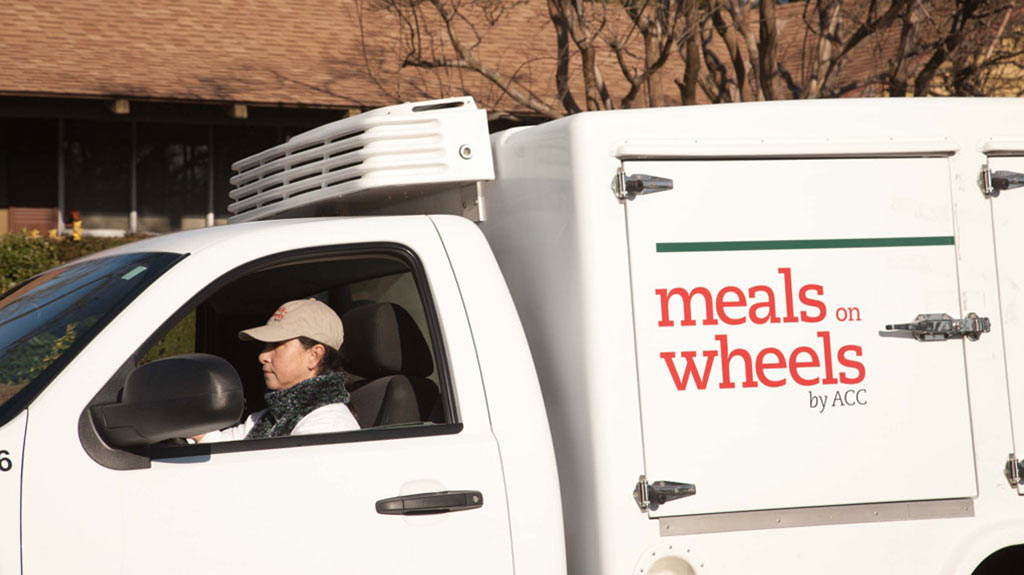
pixel 302 370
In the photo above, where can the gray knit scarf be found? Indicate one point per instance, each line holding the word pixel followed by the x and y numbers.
pixel 285 407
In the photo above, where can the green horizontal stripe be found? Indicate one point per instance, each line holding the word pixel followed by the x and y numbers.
pixel 803 244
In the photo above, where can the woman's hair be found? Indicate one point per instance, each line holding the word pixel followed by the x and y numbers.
pixel 330 362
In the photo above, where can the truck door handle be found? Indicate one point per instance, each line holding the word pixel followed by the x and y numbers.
pixel 940 327
pixel 430 503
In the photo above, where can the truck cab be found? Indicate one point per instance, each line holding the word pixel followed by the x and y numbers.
pixel 318 502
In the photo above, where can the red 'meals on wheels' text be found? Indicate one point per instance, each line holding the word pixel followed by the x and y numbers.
pixel 819 362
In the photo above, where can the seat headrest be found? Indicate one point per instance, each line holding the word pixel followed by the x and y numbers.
pixel 382 339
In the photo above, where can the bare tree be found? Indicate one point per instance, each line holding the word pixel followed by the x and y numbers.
pixel 639 36
pixel 978 53
pixel 660 24
pixel 618 54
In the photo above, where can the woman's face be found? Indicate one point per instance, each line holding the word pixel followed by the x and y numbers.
pixel 287 363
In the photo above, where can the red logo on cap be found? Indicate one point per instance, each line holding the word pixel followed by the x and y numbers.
pixel 279 314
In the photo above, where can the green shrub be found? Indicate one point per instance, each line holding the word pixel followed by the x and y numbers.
pixel 181 339
pixel 22 256
pixel 33 356
pixel 68 250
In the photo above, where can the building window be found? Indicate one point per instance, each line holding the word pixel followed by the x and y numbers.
pixel 173 177
pixel 97 160
pixel 28 173
pixel 122 174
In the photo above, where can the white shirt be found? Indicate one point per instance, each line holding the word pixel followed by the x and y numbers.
pixel 327 419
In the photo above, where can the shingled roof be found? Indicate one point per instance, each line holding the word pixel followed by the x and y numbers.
pixel 259 52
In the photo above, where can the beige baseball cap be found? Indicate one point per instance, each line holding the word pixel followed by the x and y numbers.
pixel 302 317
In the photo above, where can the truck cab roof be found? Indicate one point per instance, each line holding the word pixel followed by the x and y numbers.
pixel 199 240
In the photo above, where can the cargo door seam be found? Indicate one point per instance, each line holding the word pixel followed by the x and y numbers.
pixel 636 344
pixel 1002 339
pixel 956 184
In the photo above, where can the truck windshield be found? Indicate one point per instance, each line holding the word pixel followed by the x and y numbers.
pixel 45 321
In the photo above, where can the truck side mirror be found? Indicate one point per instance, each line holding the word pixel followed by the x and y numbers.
pixel 170 398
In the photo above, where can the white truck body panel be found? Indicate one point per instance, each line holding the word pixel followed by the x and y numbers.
pixel 560 235
pixel 564 254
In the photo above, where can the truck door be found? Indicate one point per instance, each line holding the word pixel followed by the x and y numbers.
pixel 1006 180
pixel 762 291
pixel 376 500
pixel 12 438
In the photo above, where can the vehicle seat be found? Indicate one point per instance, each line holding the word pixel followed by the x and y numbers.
pixel 384 346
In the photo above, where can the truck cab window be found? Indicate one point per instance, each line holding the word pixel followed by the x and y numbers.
pixel 179 340
pixel 400 290
pixel 47 320
pixel 388 351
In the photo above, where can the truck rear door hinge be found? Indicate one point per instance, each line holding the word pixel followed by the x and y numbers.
pixel 1014 470
pixel 629 187
pixel 999 180
pixel 941 326
pixel 654 495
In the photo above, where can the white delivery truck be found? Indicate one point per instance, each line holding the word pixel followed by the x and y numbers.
pixel 760 338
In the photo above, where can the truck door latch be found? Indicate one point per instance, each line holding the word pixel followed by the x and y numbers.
pixel 654 495
pixel 940 327
pixel 999 180
pixel 1014 470
pixel 629 187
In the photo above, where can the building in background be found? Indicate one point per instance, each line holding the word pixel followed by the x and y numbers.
pixel 157 168
pixel 131 113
